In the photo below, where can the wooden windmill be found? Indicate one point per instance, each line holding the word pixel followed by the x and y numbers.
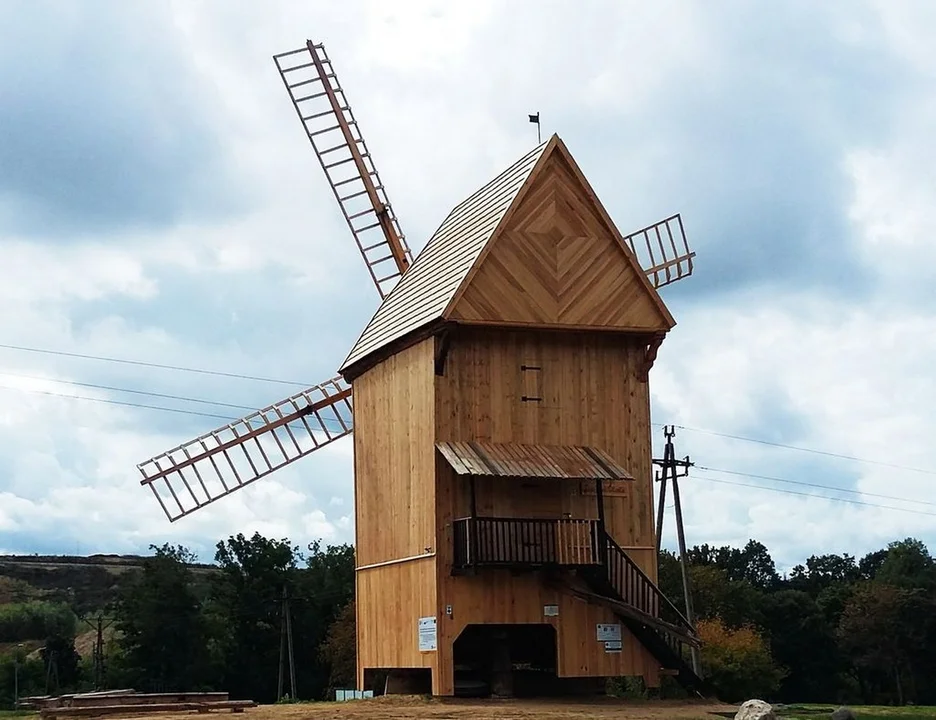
pixel 502 453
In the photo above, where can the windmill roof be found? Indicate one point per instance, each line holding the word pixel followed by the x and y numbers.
pixel 431 282
pixel 431 289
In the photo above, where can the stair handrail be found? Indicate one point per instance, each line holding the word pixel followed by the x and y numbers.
pixel 664 601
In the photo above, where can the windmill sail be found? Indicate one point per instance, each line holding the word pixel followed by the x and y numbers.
pixel 216 464
pixel 336 138
pixel 662 251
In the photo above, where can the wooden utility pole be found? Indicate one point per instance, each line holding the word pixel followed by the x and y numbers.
pixel 97 652
pixel 671 467
pixel 286 642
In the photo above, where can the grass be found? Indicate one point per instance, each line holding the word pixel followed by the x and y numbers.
pixel 862 712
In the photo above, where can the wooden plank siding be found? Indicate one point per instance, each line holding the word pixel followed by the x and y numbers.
pixel 390 599
pixel 557 263
pixel 394 457
pixel 394 472
pixel 592 395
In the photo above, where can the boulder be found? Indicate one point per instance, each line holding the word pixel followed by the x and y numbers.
pixel 755 710
pixel 844 713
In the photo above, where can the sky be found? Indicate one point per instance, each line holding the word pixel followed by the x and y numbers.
pixel 159 203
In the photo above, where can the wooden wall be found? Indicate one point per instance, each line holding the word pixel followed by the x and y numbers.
pixel 394 457
pixel 394 467
pixel 390 601
pixel 592 394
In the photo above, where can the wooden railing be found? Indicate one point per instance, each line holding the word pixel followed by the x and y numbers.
pixel 636 589
pixel 522 541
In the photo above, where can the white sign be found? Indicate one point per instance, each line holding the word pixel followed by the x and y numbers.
pixel 613 646
pixel 428 637
pixel 609 633
pixel 550 610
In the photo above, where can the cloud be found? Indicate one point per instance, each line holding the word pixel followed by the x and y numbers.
pixel 106 125
pixel 190 225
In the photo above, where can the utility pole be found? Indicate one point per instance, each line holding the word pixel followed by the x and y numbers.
pixel 16 654
pixel 97 652
pixel 671 471
pixel 286 641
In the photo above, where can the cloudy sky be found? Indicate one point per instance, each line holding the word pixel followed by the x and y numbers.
pixel 159 203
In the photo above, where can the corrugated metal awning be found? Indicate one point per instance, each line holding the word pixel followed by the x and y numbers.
pixel 561 462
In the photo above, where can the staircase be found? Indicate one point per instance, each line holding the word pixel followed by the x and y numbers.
pixel 621 586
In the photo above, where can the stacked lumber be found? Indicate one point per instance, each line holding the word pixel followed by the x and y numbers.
pixel 130 702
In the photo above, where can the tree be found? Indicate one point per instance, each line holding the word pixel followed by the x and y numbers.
pixel 737 662
pixel 325 588
pixel 908 564
pixel 802 641
pixel 824 571
pixel 245 611
pixel 752 563
pixel 163 637
pixel 339 650
pixel 886 630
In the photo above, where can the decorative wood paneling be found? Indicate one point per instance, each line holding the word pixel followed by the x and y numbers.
pixel 558 263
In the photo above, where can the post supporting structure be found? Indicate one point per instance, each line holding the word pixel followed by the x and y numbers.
pixel 671 470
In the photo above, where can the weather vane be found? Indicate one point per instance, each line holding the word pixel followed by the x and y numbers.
pixel 535 119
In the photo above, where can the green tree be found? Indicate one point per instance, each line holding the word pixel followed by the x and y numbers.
pixel 339 650
pixel 325 587
pixel 245 611
pixel 888 631
pixel 803 641
pixel 163 636
pixel 908 564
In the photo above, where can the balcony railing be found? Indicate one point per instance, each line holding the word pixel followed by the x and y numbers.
pixel 517 542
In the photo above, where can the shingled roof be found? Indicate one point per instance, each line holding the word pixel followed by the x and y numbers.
pixel 427 291
pixel 432 280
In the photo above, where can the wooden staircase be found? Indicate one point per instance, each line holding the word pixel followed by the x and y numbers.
pixel 621 586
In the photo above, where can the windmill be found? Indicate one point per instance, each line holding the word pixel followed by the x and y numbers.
pixel 211 466
pixel 501 419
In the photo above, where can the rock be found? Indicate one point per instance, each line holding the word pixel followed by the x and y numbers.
pixel 755 710
pixel 844 713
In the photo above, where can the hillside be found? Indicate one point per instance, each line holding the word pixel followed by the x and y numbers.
pixel 86 583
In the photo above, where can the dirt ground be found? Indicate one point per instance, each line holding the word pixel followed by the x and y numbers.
pixel 418 708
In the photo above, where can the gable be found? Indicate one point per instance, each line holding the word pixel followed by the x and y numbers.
pixel 427 288
pixel 558 262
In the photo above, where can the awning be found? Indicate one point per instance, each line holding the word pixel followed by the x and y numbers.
pixel 560 462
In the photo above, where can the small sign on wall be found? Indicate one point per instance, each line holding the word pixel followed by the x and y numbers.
pixel 609 632
pixel 428 638
pixel 551 610
pixel 613 646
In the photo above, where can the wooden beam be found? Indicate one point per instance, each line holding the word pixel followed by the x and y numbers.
pixel 393 240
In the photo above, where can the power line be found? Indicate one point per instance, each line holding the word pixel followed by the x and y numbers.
pixel 815 485
pixel 129 390
pixel 118 402
pixel 814 495
pixel 803 449
pixel 334 422
pixel 142 363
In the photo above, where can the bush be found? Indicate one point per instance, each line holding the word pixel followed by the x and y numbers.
pixel 737 663
pixel 35 620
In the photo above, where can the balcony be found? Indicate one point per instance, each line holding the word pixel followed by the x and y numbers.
pixel 525 543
